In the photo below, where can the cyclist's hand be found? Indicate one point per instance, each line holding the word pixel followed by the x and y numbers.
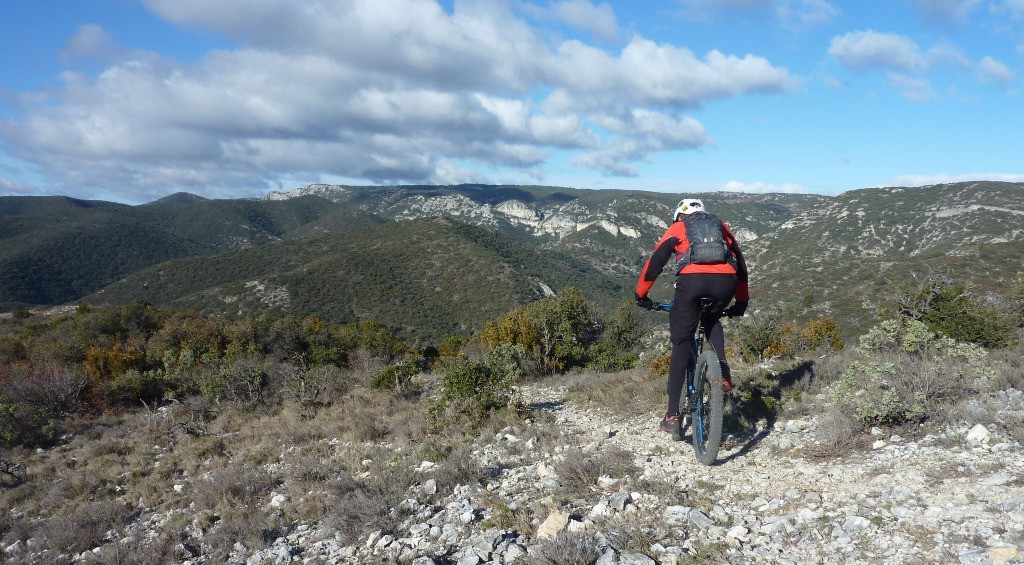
pixel 735 310
pixel 645 302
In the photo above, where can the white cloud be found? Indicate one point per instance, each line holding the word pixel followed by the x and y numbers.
pixel 952 11
pixel 907 65
pixel 599 20
pixel 948 56
pixel 637 134
pixel 1014 7
pixel 90 41
pixel 383 90
pixel 803 14
pixel 448 172
pixel 915 89
pixel 762 187
pixel 790 14
pixel 14 187
pixel 945 178
pixel 995 72
pixel 862 50
pixel 648 73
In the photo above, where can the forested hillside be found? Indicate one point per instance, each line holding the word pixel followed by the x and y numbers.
pixel 344 252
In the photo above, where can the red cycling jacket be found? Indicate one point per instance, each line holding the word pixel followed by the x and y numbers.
pixel 674 241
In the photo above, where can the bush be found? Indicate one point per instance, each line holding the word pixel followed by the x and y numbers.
pixel 57 390
pixel 616 350
pixel 557 332
pixel 660 365
pixel 759 333
pixel 836 434
pixel 472 391
pixel 822 333
pixel 484 385
pixel 869 389
pixel 395 377
pixel 241 382
pixel 947 308
pixel 907 373
pixel 133 386
pixel 25 425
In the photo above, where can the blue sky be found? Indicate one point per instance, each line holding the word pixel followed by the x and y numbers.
pixel 133 100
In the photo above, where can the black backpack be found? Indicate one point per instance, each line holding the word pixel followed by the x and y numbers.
pixel 705 233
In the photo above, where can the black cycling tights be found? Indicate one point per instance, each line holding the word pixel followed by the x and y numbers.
pixel 683 319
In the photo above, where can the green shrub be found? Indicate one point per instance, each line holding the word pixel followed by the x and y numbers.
pixel 558 332
pixel 947 308
pixel 907 373
pixel 395 377
pixel 133 386
pixel 758 333
pixel 869 389
pixel 32 426
pixel 241 382
pixel 472 390
pixel 607 357
pixel 905 335
pixel 901 334
pixel 620 339
pixel 485 384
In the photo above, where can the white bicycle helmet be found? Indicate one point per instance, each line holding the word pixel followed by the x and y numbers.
pixel 688 206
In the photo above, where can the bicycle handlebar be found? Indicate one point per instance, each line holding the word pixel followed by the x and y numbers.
pixel 666 306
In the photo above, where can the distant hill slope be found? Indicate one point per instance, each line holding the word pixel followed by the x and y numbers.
pixel 57 249
pixel 352 251
pixel 845 255
pixel 432 277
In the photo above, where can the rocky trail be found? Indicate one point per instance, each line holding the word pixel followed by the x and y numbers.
pixel 956 497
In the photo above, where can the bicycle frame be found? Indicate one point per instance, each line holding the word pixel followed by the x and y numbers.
pixel 704 394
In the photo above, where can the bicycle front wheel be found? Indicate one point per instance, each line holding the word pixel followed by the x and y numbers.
pixel 707 415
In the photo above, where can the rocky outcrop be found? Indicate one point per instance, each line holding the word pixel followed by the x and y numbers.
pixel 332 192
pixel 558 221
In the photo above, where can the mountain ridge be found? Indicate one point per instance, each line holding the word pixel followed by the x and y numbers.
pixel 855 244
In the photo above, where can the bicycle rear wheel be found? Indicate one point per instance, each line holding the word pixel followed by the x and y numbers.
pixel 707 414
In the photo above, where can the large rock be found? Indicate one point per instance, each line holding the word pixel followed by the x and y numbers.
pixel 552 525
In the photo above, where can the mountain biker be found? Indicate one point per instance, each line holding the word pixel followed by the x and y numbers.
pixel 722 281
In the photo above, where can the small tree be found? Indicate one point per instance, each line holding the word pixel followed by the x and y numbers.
pixel 617 347
pixel 758 333
pixel 949 308
pixel 557 332
pixel 823 332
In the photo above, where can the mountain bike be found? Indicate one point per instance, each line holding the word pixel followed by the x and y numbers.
pixel 704 393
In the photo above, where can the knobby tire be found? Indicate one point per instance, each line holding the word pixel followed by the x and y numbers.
pixel 706 426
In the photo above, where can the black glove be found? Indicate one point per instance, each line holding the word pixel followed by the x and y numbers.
pixel 644 302
pixel 735 310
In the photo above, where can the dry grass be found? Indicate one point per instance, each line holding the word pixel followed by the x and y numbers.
pixel 140 550
pixel 634 534
pixel 578 471
pixel 459 468
pixel 566 549
pixel 367 504
pixel 625 393
pixel 837 434
pixel 509 517
pixel 85 527
pixel 347 461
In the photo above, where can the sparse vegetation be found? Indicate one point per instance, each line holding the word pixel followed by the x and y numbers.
pixel 262 422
